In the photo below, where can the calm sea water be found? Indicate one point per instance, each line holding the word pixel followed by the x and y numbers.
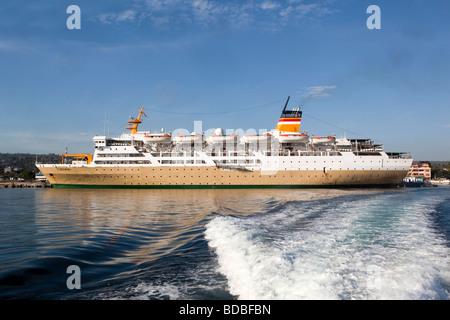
pixel 225 244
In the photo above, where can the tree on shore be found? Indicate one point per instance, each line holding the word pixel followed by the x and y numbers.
pixel 441 170
pixel 22 165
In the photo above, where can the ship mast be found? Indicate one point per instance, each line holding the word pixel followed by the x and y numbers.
pixel 135 122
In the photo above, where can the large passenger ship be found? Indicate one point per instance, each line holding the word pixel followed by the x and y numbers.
pixel 281 158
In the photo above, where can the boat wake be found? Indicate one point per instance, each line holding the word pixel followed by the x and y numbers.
pixel 379 246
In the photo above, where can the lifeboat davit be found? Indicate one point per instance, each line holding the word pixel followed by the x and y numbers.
pixel 293 137
pixel 321 140
pixel 157 138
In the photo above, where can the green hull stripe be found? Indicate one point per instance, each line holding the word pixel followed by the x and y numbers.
pixel 84 186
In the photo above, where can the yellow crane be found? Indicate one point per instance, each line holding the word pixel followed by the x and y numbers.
pixel 135 122
pixel 79 157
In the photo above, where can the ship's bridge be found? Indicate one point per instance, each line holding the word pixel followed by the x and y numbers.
pixel 99 141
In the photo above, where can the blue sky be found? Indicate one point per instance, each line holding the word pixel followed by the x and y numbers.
pixel 230 64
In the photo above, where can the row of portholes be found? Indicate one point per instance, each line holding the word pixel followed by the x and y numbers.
pixel 214 177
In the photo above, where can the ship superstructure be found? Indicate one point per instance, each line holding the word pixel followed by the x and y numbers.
pixel 283 157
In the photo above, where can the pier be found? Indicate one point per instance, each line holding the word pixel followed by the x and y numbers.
pixel 25 184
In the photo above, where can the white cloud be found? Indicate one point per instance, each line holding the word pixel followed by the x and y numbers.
pixel 106 18
pixel 318 91
pixel 206 11
pixel 235 14
pixel 203 5
pixel 285 12
pixel 17 46
pixel 269 5
pixel 127 15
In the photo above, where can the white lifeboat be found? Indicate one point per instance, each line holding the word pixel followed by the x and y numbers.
pixel 322 140
pixel 343 143
pixel 157 138
pixel 220 139
pixel 250 138
pixel 293 137
pixel 192 138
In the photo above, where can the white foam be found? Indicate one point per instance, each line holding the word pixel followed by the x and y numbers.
pixel 145 291
pixel 364 249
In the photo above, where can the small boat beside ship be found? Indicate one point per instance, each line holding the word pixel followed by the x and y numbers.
pixel 440 182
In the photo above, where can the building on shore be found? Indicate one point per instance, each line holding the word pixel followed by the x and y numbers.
pixel 419 169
